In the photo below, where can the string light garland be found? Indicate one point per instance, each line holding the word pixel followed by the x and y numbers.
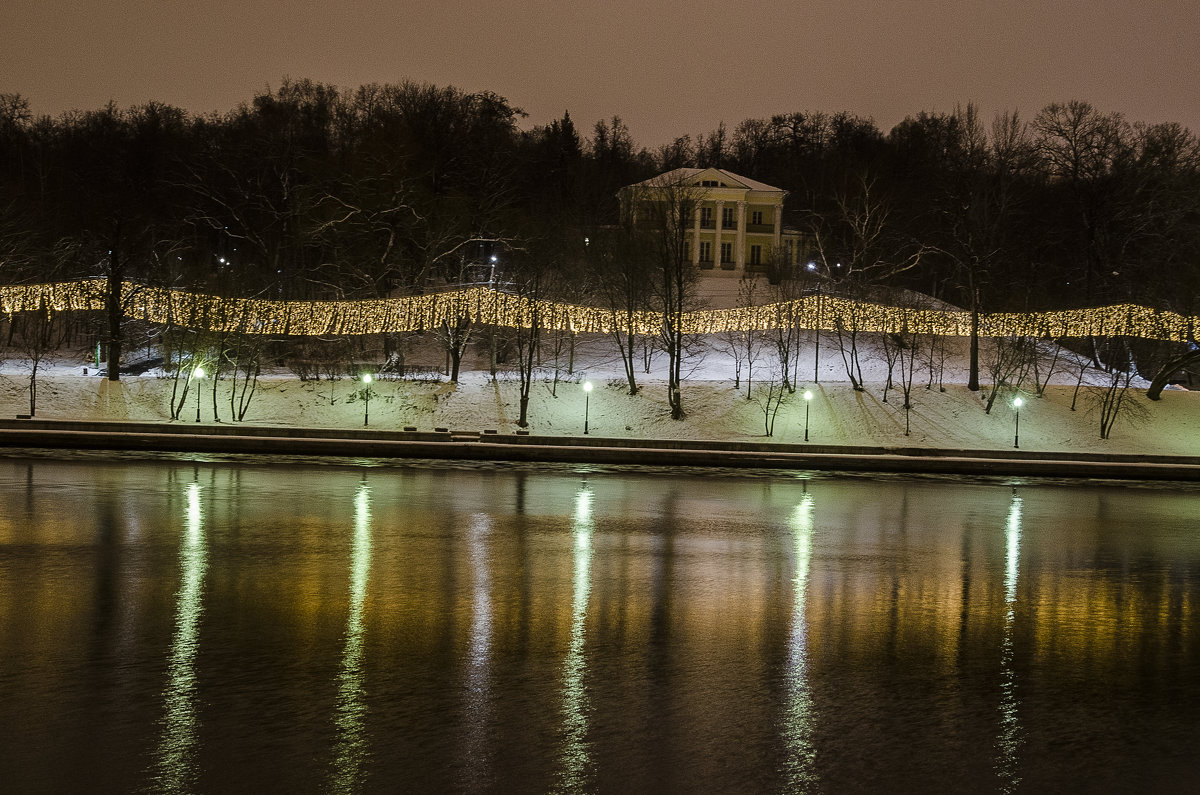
pixel 487 306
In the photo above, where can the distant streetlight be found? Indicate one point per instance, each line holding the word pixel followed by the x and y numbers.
pixel 1017 403
pixel 198 374
pixel 587 393
pixel 366 379
pixel 807 403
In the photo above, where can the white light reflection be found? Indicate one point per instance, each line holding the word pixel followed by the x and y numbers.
pixel 350 753
pixel 1008 745
pixel 175 767
pixel 800 721
pixel 576 761
pixel 479 658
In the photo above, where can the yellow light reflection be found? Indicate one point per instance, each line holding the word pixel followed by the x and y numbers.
pixel 479 657
pixel 175 768
pixel 800 723
pixel 351 751
pixel 576 758
pixel 1008 745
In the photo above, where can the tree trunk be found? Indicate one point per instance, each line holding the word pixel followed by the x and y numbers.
pixel 113 314
pixel 1169 369
pixel 523 420
pixel 973 378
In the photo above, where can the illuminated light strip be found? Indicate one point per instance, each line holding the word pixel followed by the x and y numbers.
pixel 486 306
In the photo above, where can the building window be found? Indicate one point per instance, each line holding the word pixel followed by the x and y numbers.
pixel 705 251
pixel 727 217
pixel 756 217
pixel 726 252
pixel 687 251
pixel 756 255
pixel 706 216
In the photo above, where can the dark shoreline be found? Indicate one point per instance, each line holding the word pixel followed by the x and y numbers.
pixel 490 446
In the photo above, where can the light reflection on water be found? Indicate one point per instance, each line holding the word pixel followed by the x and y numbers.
pixel 476 772
pixel 798 730
pixel 433 629
pixel 351 750
pixel 1008 746
pixel 175 770
pixel 576 762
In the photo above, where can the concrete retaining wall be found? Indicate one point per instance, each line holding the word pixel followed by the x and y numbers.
pixel 209 438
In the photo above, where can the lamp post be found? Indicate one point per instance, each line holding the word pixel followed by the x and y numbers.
pixel 366 379
pixel 197 375
pixel 1017 403
pixel 807 403
pixel 587 394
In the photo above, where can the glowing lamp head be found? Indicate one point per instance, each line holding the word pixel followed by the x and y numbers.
pixel 808 394
pixel 1018 402
pixel 587 386
pixel 198 372
pixel 367 378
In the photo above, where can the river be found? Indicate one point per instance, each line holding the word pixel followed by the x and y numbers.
pixel 250 624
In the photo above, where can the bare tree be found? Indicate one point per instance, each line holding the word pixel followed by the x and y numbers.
pixel 531 279
pixel 770 395
pixel 620 266
pixel 847 326
pixel 788 285
pixel 892 344
pixel 1007 365
pixel 909 352
pixel 1043 368
pixel 243 354
pixel 936 361
pixel 1111 399
pixel 665 207
pixel 41 335
pixel 744 345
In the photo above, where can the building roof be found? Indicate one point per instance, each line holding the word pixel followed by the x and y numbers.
pixel 680 175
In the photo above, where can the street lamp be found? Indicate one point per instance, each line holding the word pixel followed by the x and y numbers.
pixel 587 393
pixel 807 403
pixel 1017 403
pixel 366 379
pixel 197 375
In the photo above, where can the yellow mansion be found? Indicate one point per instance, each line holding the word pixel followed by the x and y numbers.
pixel 737 221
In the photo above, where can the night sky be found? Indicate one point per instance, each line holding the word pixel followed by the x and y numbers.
pixel 667 68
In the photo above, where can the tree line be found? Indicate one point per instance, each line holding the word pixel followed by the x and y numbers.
pixel 311 191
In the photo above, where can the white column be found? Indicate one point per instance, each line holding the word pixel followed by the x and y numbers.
pixel 718 222
pixel 696 237
pixel 740 256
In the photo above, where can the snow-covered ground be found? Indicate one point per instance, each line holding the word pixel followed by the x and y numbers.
pixel 715 410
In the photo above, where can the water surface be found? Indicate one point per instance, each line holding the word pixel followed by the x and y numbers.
pixel 288 626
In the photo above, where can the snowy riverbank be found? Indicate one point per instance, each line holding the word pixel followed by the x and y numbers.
pixel 715 410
